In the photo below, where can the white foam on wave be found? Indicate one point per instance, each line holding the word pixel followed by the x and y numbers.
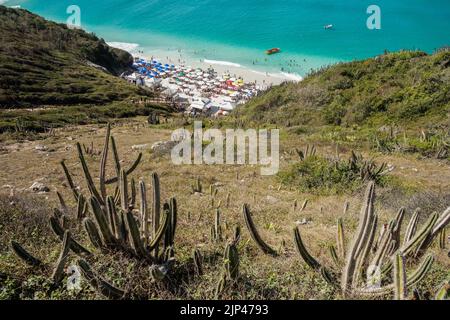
pixel 130 47
pixel 292 76
pixel 223 63
pixel 281 75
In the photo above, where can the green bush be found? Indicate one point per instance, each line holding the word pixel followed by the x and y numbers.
pixel 320 175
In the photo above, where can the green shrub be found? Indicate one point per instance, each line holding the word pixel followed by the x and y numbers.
pixel 321 175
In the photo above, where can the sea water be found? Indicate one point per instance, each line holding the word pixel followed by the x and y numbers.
pixel 237 32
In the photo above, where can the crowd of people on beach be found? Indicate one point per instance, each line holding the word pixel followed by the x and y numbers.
pixel 195 90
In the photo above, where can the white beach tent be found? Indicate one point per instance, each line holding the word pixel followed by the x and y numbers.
pixel 226 106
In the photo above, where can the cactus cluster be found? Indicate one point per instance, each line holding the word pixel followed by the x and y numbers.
pixel 374 257
pixel 113 222
pixel 114 225
pixel 368 169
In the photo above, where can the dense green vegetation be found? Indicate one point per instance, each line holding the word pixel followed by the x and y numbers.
pixel 332 175
pixel 394 88
pixel 44 63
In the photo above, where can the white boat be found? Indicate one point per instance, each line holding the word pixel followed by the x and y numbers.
pixel 328 26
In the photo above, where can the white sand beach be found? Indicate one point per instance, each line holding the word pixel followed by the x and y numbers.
pixel 263 79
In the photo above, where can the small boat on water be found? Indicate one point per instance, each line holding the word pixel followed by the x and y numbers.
pixel 273 51
pixel 328 26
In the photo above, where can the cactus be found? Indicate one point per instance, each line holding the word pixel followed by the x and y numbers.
pixel 58 272
pixel 104 287
pixel 216 229
pixel 156 205
pixel 237 235
pixel 90 182
pixel 103 162
pixel 114 226
pixel 82 208
pixel 444 291
pixel 144 212
pixel 340 239
pixel 386 254
pixel 311 261
pixel 305 203
pixel 400 277
pixel 228 200
pixel 254 232
pixel 334 255
pixel 74 245
pixel 213 193
pixel 346 207
pixel 62 203
pixel 443 239
pixel 221 285
pixel 90 150
pixel 25 255
pixel 118 166
pixel 92 231
pixel 231 258
pixel 197 186
pixel 412 226
pixel 69 179
pixel 198 262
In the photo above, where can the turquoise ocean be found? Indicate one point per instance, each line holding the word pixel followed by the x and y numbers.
pixel 239 31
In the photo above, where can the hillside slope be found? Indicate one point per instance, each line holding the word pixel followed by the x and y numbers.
pixel 395 88
pixel 45 63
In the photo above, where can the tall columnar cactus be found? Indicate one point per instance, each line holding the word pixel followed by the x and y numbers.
pixel 228 200
pixel 385 255
pixel 443 239
pixel 230 274
pixel 216 229
pixel 340 239
pixel 197 186
pixel 400 290
pixel 198 262
pixel 254 232
pixel 58 271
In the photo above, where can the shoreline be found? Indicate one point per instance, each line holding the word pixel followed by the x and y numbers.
pixel 178 57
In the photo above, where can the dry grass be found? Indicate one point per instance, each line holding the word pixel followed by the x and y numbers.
pixel 263 277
